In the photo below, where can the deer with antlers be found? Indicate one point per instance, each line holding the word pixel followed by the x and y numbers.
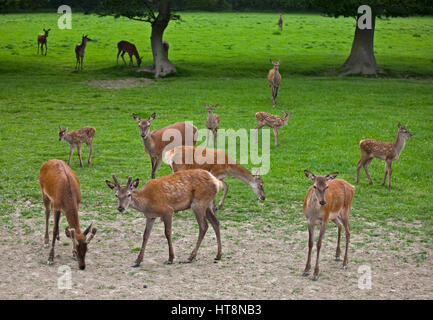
pixel 42 41
pixel 212 124
pixel 162 197
pixel 61 192
pixel 327 199
pixel 274 79
pixel 387 151
pixel 158 141
pixel 273 121
pixel 79 51
pixel 217 162
pixel 125 46
pixel 77 137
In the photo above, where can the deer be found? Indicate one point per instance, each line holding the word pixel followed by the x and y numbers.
pixel 158 141
pixel 164 196
pixel 280 22
pixel 125 46
pixel 75 138
pixel 42 41
pixel 217 162
pixel 273 121
pixel 79 51
pixel 387 151
pixel 274 79
pixel 166 46
pixel 212 123
pixel 327 199
pixel 61 192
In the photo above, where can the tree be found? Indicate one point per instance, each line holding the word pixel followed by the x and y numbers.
pixel 8 5
pixel 361 59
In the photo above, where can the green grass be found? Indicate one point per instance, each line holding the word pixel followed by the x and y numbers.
pixel 223 58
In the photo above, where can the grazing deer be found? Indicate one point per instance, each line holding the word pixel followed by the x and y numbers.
pixel 388 151
pixel 61 191
pixel 42 41
pixel 273 121
pixel 216 162
pixel 280 22
pixel 162 197
pixel 157 141
pixel 327 199
pixel 76 138
pixel 274 79
pixel 79 52
pixel 212 124
pixel 125 46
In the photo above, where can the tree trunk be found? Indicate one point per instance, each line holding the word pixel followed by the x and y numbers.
pixel 361 59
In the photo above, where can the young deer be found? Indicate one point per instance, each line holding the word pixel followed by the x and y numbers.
pixel 76 138
pixel 274 79
pixel 162 197
pixel 280 22
pixel 61 191
pixel 216 162
pixel 79 52
pixel 42 41
pixel 157 141
pixel 125 46
pixel 273 121
pixel 327 199
pixel 388 151
pixel 212 124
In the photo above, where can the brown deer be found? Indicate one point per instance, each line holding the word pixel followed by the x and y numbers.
pixel 42 41
pixel 387 151
pixel 327 199
pixel 157 142
pixel 61 192
pixel 212 124
pixel 76 138
pixel 162 197
pixel 273 121
pixel 280 22
pixel 125 46
pixel 216 162
pixel 79 52
pixel 274 79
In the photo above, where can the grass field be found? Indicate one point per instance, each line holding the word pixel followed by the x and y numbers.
pixel 224 59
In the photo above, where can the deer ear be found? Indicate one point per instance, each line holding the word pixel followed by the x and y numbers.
pixel 49 29
pixel 270 60
pixel 399 125
pixel 67 232
pixel 309 175
pixel 258 173
pixel 60 127
pixel 152 117
pixel 136 117
pixel 66 130
pixel 134 184
pixel 87 230
pixel 331 176
pixel 279 60
pixel 110 184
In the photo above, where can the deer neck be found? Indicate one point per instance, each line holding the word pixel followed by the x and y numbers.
pixel 275 79
pixel 68 138
pixel 242 174
pixel 72 218
pixel 137 203
pixel 399 144
pixel 148 143
pixel 83 46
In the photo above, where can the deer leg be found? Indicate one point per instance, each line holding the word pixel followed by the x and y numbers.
pixel 82 58
pixel 38 47
pixel 157 163
pixel 207 141
pixel 256 135
pixel 90 145
pixel 210 216
pixel 347 229
pixel 318 246
pixel 146 234
pixel 79 155
pixel 71 151
pixel 386 173
pixel 338 251
pixel 226 189
pixel 358 167
pixel 276 137
pixel 167 225
pixel 123 58
pixel 389 174
pixel 215 136
pixel 46 48
pixel 55 232
pixel 47 204
pixel 200 215
pixel 310 247
pixel 366 163
pixel 118 53
pixel 130 60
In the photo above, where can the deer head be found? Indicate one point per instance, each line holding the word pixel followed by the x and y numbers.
pixel 62 132
pixel 139 59
pixel 258 186
pixel 320 185
pixel 210 108
pixel 402 131
pixel 286 116
pixel 123 193
pixel 144 124
pixel 276 64
pixel 46 33
pixel 79 243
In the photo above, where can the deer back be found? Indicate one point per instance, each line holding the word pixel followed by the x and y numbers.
pixel 156 136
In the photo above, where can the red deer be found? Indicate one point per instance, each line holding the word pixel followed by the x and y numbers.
pixel 274 79
pixel 327 199
pixel 216 162
pixel 162 197
pixel 280 22
pixel 61 192
pixel 156 141
pixel 273 121
pixel 42 41
pixel 125 46
pixel 75 138
pixel 79 52
pixel 212 124
pixel 387 151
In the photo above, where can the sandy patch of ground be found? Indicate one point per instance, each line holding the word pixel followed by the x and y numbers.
pixel 259 262
pixel 120 83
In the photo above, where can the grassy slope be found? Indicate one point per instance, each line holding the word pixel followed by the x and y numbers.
pixel 222 58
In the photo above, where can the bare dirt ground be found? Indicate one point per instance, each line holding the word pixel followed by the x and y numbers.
pixel 265 264
pixel 120 83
